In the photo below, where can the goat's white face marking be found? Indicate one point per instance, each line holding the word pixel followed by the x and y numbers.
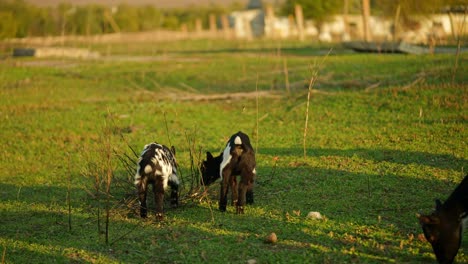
pixel 226 159
pixel 238 141
pixel 254 171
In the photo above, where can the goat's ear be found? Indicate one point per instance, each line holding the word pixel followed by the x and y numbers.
pixel 209 156
pixel 173 150
pixel 438 204
pixel 428 219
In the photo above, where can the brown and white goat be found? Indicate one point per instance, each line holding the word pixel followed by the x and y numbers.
pixel 238 158
pixel 443 228
pixel 157 166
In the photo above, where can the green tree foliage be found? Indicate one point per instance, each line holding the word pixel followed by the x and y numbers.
pixel 89 20
pixel 409 8
pixel 151 18
pixel 127 18
pixel 8 25
pixel 318 10
pixel 22 15
pixel 20 19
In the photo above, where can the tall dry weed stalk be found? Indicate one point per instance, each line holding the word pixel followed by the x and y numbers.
pixel 256 113
pixel 313 78
pixel 167 129
pixel 99 167
pixel 286 76
pixel 69 194
pixel 196 189
pixel 4 255
pixel 195 158
pixel 108 170
pixel 314 75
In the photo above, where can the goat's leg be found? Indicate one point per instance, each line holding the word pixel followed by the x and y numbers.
pixel 174 193
pixel 245 184
pixel 250 195
pixel 158 190
pixel 224 190
pixel 141 189
pixel 223 196
pixel 234 192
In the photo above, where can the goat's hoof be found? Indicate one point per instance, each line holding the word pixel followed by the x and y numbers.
pixel 143 214
pixel 159 216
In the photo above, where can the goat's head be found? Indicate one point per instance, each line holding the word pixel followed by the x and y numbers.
pixel 443 230
pixel 210 169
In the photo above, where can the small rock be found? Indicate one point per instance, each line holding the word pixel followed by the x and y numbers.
pixel 272 238
pixel 252 261
pixel 314 215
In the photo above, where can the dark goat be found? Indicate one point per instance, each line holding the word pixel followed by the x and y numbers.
pixel 443 228
pixel 157 166
pixel 238 158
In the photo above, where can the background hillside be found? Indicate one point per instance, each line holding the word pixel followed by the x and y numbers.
pixel 157 3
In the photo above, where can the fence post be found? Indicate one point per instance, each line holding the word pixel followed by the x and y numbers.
pixel 198 27
pixel 225 26
pixel 269 22
pixel 299 21
pixel 213 28
pixel 365 19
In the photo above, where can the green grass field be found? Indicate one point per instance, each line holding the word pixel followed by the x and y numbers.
pixel 386 135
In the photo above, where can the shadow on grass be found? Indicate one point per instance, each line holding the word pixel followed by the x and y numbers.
pixel 299 239
pixel 293 51
pixel 368 217
pixel 442 161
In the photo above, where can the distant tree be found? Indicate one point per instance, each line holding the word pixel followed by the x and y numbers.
pixel 90 20
pixel 127 18
pixel 43 24
pixel 170 21
pixel 21 13
pixel 409 8
pixel 80 21
pixel 8 25
pixel 319 10
pixel 150 18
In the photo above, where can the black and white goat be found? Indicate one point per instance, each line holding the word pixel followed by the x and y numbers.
pixel 238 158
pixel 443 228
pixel 157 166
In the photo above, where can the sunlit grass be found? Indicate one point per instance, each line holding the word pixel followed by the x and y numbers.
pixel 375 156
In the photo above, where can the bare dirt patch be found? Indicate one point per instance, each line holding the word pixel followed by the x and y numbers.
pixel 228 96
